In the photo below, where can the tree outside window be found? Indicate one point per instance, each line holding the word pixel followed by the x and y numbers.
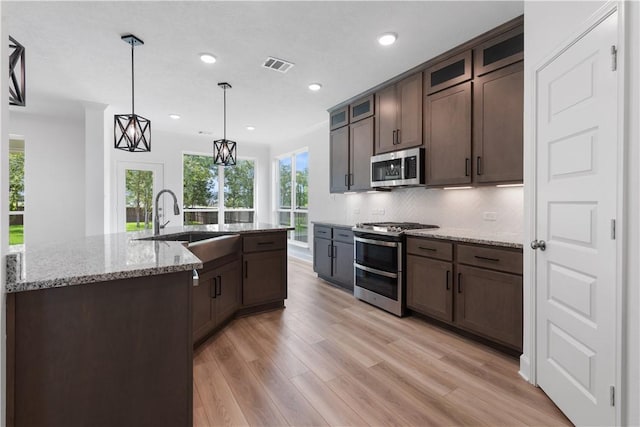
pixel 293 194
pixel 16 192
pixel 139 199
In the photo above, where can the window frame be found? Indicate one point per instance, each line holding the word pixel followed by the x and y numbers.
pixel 221 209
pixel 276 196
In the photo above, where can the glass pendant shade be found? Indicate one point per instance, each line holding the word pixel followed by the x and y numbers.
pixel 224 152
pixel 132 133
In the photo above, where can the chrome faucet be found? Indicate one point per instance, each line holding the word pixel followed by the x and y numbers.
pixel 176 211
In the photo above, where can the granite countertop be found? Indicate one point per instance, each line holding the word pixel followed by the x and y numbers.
pixel 504 239
pixel 110 257
pixel 332 224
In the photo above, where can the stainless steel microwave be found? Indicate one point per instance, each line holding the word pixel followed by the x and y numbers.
pixel 398 169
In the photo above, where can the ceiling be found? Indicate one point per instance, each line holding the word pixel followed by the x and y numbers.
pixel 74 53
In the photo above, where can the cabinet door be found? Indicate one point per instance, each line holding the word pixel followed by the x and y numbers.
pixel 203 302
pixel 339 118
pixel 448 136
pixel 499 51
pixel 361 109
pixel 497 131
pixel 265 277
pixel 490 304
pixel 322 256
pixel 429 287
pixel 409 94
pixel 229 285
pixel 339 166
pixel 361 150
pixel 449 72
pixel 343 263
pixel 386 123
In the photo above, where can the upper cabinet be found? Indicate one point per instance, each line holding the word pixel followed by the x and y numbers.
pixel 499 51
pixel 339 118
pixel 449 72
pixel 361 109
pixel 351 148
pixel 399 115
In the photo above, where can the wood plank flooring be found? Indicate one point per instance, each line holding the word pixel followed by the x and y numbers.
pixel 329 359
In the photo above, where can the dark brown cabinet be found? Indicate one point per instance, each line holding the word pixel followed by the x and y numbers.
pixel 429 287
pixel 216 297
pixel 399 115
pixel 476 288
pixel 447 123
pixel 489 303
pixel 265 277
pixel 333 254
pixel 339 118
pixel 450 72
pixel 497 130
pixel 500 51
pixel 351 148
pixel 361 109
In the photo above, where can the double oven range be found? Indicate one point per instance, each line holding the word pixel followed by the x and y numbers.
pixel 379 264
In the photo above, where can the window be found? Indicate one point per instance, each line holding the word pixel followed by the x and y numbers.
pixel 139 199
pixel 217 194
pixel 16 192
pixel 292 194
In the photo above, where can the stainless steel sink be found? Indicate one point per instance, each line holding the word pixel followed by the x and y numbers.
pixel 216 247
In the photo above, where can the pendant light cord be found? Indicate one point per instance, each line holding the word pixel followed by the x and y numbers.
pixel 132 82
pixel 225 113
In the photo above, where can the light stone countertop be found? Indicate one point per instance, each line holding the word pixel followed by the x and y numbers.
pixel 110 257
pixel 504 239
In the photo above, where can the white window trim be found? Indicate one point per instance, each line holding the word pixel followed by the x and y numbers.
pixel 276 202
pixel 221 209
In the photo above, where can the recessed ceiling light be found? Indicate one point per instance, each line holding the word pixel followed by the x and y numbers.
pixel 174 116
pixel 387 39
pixel 207 58
pixel 315 87
pixel 251 128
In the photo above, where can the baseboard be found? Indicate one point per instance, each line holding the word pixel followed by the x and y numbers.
pixel 525 368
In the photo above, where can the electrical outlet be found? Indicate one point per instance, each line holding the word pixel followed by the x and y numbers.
pixel 489 216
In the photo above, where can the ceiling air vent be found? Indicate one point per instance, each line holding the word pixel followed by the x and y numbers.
pixel 277 64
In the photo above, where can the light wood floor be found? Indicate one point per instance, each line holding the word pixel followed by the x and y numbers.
pixel 330 359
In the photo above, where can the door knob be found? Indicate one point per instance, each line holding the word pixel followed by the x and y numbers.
pixel 538 244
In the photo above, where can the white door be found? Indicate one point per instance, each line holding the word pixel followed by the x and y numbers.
pixel 138 184
pixel 577 151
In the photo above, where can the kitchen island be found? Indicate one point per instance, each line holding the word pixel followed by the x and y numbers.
pixel 100 330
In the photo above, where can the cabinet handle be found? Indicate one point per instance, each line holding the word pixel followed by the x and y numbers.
pixel 265 243
pixel 343 235
pixel 394 137
pixel 467 162
pixel 219 286
pixel 427 249
pixel 398 136
pixel 213 289
pixel 459 283
pixel 487 258
pixel 346 177
pixel 478 162
pixel 334 252
pixel 351 180
pixel 246 269
pixel 448 286
pixel 329 251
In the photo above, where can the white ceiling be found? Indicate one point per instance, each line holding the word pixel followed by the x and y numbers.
pixel 74 53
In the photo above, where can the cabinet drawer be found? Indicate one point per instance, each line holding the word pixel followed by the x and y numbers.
pixel 265 242
pixel 322 231
pixel 430 248
pixel 493 258
pixel 343 235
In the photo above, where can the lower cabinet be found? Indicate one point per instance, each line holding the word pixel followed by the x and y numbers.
pixel 265 277
pixel 429 287
pixel 333 254
pixel 474 288
pixel 216 298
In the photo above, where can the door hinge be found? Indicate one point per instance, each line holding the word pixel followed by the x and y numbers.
pixel 612 395
pixel 614 58
pixel 613 229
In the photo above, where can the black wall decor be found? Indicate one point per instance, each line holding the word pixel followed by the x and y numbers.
pixel 16 73
pixel 132 132
pixel 224 150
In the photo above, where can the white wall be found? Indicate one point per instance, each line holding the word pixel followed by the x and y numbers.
pixel 167 149
pixel 547 25
pixel 54 176
pixel 4 212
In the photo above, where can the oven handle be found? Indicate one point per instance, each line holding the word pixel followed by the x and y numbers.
pixel 374 271
pixel 376 242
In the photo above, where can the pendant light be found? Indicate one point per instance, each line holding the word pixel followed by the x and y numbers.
pixel 132 132
pixel 224 151
pixel 17 73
